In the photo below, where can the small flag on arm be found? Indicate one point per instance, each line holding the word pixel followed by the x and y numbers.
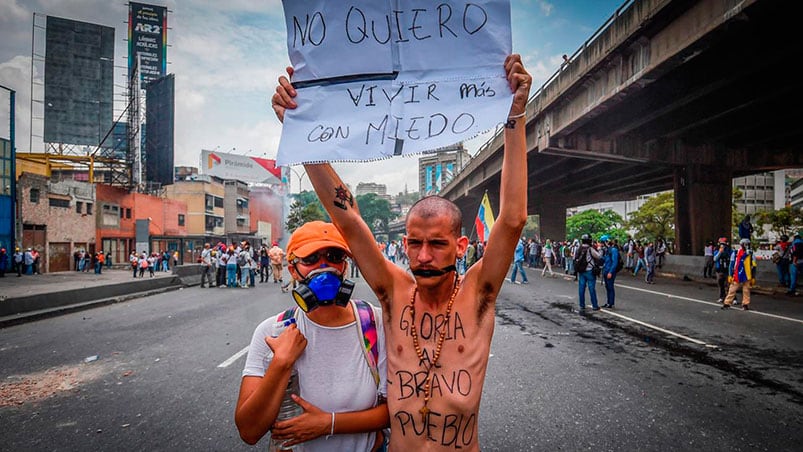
pixel 485 219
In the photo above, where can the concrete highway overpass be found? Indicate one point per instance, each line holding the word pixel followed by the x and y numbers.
pixel 667 94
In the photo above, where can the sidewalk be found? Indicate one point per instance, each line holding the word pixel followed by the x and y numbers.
pixel 32 297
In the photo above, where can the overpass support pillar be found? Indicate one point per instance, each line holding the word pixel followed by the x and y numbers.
pixel 703 197
pixel 552 216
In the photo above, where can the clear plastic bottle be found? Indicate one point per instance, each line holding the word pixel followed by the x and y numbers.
pixel 288 408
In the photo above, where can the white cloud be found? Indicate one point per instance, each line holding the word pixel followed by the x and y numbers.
pixel 15 74
pixel 11 11
pixel 546 8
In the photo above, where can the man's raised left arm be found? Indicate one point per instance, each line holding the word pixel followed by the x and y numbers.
pixel 513 187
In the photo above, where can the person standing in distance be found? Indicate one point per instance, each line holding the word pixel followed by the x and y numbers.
pixel 609 266
pixel 432 288
pixel 208 269
pixel 742 274
pixel 584 259
pixel 276 256
pixel 722 257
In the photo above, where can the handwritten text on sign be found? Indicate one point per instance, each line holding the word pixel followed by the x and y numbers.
pixel 376 80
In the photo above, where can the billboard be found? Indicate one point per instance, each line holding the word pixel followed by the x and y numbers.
pixel 159 116
pixel 79 82
pixel 147 37
pixel 240 167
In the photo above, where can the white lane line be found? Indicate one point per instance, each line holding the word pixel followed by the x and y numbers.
pixel 233 358
pixel 668 295
pixel 658 328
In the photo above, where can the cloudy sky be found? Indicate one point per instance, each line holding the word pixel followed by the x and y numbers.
pixel 226 57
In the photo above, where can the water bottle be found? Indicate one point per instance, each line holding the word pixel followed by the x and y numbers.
pixel 288 408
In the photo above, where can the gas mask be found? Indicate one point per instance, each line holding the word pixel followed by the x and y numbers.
pixel 323 287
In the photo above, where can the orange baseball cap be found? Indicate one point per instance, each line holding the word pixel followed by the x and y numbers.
pixel 314 236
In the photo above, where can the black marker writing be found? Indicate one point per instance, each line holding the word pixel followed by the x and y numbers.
pixel 456 430
pixel 305 32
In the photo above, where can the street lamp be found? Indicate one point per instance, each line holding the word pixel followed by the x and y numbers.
pixel 299 175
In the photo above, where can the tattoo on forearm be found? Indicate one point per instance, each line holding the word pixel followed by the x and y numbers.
pixel 343 198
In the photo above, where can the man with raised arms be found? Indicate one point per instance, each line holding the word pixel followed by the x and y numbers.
pixel 438 325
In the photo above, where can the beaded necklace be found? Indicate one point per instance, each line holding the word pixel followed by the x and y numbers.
pixel 425 409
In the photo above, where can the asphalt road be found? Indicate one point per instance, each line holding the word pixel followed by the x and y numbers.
pixel 167 372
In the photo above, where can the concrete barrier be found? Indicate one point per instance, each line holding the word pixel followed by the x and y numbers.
pixel 692 266
pixel 189 274
pixel 58 299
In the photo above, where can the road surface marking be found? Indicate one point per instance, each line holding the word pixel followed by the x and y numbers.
pixel 707 302
pixel 658 328
pixel 233 358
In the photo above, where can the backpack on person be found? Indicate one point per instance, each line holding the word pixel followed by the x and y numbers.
pixel 620 264
pixel 724 261
pixel 581 262
pixel 366 329
pixel 596 266
pixel 797 252
pixel 241 259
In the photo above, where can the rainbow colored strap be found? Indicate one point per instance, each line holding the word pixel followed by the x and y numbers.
pixel 366 328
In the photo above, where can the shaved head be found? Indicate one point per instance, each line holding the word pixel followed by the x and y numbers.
pixel 437 206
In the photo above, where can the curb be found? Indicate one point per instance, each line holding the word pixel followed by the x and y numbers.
pixel 25 317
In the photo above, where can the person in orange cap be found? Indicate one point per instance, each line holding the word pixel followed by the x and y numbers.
pixel 330 345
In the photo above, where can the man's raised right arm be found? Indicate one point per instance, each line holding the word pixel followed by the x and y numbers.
pixel 342 207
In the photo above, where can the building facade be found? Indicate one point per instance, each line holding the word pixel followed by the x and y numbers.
pixel 237 218
pixel 118 212
pixel 438 169
pixel 58 218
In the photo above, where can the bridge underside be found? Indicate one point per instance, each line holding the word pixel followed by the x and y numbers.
pixel 721 105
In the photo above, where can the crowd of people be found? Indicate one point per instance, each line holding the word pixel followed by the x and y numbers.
pixel 153 262
pixel 235 265
pixel 587 261
pixel 787 255
pixel 20 262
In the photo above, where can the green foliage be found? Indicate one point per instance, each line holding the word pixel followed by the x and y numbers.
pixel 785 221
pixel 407 199
pixel 736 217
pixel 532 228
pixel 376 212
pixel 595 224
pixel 306 207
pixel 656 218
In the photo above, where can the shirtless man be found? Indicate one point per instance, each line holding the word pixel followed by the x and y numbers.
pixel 438 325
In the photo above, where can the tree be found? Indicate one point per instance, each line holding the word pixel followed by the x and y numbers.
pixel 736 217
pixel 656 218
pixel 782 222
pixel 376 212
pixel 533 227
pixel 407 198
pixel 306 207
pixel 595 224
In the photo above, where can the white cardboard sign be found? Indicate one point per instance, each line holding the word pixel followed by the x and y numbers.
pixel 378 78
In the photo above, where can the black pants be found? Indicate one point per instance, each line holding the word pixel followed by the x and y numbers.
pixel 206 276
pixel 722 282
pixel 221 276
pixel 708 268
